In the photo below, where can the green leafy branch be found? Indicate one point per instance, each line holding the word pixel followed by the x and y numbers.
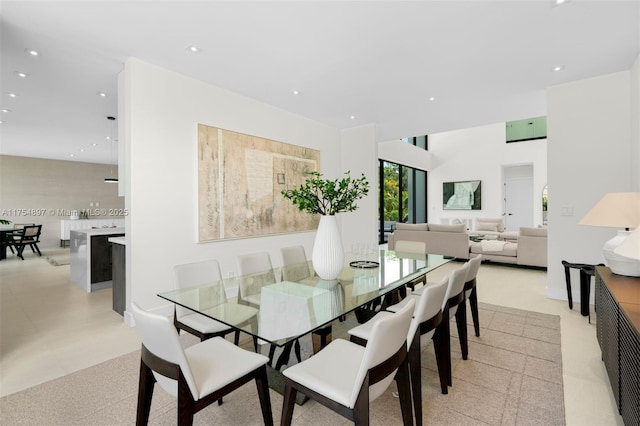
pixel 326 196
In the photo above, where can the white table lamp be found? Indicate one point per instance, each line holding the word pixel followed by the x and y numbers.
pixel 619 210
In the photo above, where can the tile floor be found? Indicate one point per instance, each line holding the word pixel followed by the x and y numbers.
pixel 50 328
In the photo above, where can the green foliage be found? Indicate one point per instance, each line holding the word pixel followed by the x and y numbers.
pixel 5 222
pixel 326 196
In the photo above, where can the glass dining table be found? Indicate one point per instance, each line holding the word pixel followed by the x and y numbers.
pixel 287 309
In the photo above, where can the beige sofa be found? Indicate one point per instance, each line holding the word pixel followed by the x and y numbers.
pixel 447 240
pixel 529 250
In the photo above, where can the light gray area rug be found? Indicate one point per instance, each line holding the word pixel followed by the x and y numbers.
pixel 513 377
pixel 59 260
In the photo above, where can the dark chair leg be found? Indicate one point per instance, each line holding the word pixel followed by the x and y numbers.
pixel 461 322
pixel 473 304
pixel 361 409
pixel 145 393
pixel 263 394
pixel 567 278
pixel 440 339
pixel 236 337
pixel 288 404
pixel 416 379
pixel 186 404
pixel 404 392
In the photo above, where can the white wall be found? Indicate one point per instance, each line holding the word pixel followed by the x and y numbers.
pixel 163 109
pixel 42 191
pixel 359 155
pixel 635 125
pixel 480 153
pixel 589 126
pixel 404 153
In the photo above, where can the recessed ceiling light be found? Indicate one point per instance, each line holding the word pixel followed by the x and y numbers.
pixel 5 110
pixel 81 149
pixel 558 2
pixel 296 92
pixel 32 52
pixel 22 74
pixel 12 95
pixel 353 117
pixel 1 121
pixel 102 94
pixel 94 144
pixel 193 49
pixel 72 155
pixel 432 98
pixel 108 138
pixel 558 68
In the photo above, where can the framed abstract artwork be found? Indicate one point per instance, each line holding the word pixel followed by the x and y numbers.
pixel 240 178
pixel 463 195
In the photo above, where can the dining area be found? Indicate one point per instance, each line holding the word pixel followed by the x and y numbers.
pixel 338 342
pixel 18 236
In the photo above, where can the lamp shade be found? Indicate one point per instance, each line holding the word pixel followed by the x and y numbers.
pixel 615 210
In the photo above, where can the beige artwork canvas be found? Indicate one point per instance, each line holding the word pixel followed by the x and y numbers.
pixel 240 179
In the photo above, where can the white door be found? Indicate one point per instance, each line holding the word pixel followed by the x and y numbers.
pixel 518 203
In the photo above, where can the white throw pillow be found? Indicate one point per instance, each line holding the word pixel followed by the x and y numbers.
pixel 487 226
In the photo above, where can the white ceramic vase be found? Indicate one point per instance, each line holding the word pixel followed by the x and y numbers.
pixel 328 254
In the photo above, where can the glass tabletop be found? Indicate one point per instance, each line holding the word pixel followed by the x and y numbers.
pixel 283 304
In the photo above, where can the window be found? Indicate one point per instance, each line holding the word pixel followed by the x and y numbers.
pixel 403 197
pixel 526 130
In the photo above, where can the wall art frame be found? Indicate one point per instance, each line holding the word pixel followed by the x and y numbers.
pixel 240 179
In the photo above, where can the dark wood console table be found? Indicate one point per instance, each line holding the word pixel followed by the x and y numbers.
pixel 618 332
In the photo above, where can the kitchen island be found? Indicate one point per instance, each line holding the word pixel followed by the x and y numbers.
pixel 91 262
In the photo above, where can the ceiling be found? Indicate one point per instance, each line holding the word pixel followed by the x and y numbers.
pixel 351 62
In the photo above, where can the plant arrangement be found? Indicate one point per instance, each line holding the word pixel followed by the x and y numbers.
pixel 328 197
pixel 5 222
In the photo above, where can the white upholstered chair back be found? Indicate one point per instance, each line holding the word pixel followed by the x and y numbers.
pixel 160 337
pixel 387 336
pixel 456 286
pixel 256 271
pixel 198 274
pixel 429 303
pixel 294 263
pixel 474 267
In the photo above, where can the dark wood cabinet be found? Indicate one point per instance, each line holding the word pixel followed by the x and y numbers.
pixel 101 266
pixel 618 332
pixel 119 286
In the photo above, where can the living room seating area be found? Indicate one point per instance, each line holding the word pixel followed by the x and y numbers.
pixel 527 247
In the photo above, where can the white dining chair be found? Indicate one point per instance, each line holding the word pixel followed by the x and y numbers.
pixel 453 300
pixel 295 266
pixel 345 376
pixel 412 247
pixel 255 270
pixel 471 291
pixel 197 274
pixel 207 273
pixel 426 317
pixel 197 376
